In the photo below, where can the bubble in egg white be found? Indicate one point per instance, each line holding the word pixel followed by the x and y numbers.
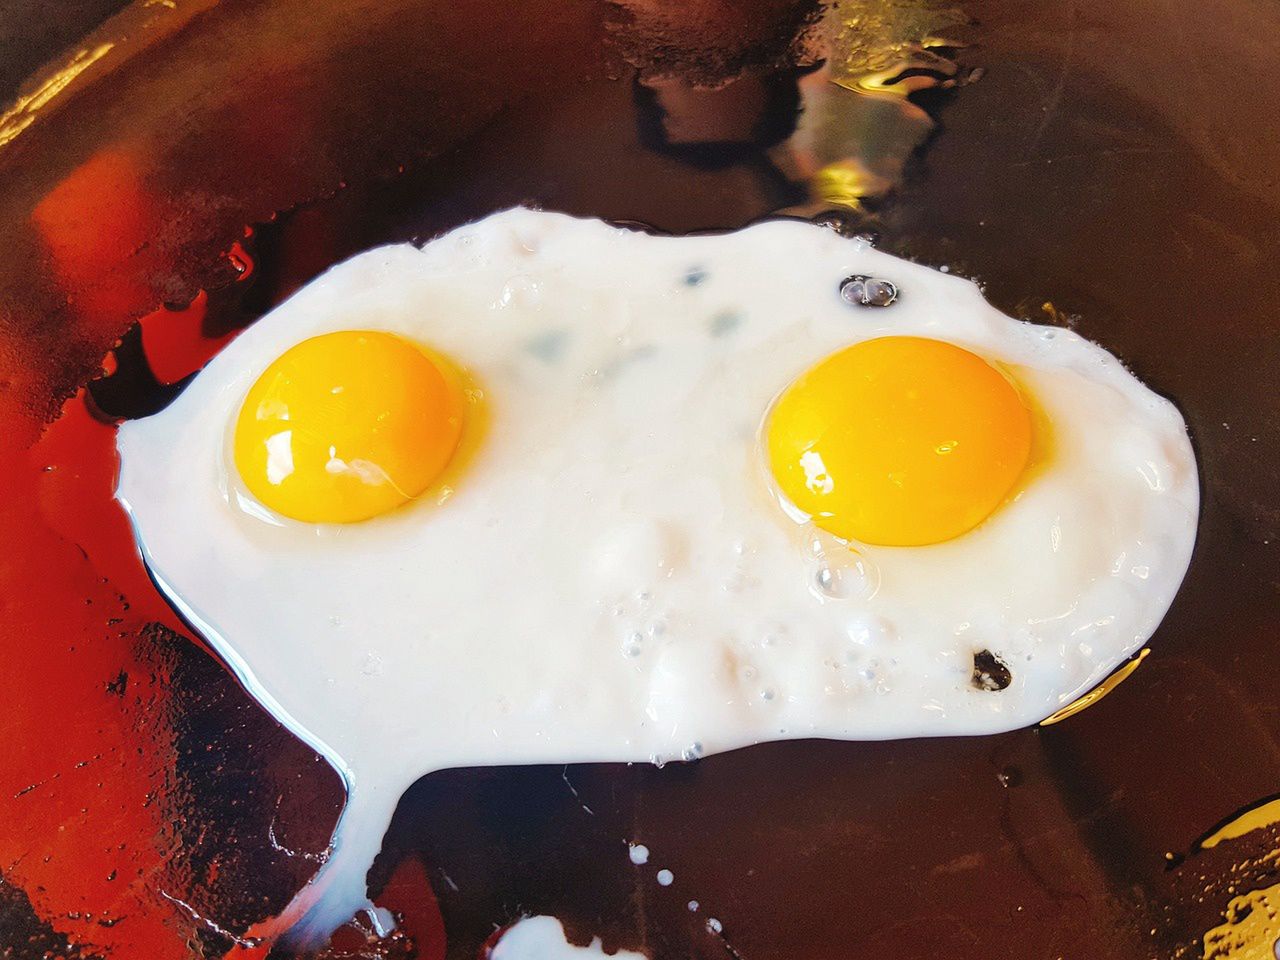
pixel 612 577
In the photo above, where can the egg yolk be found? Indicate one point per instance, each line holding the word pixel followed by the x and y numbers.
pixel 899 441
pixel 345 426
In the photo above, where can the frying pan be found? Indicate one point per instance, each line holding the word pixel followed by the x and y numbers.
pixel 169 170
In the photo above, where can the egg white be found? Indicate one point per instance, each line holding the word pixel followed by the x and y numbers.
pixel 611 578
pixel 543 938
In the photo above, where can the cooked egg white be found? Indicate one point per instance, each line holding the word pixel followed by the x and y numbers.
pixel 542 938
pixel 610 569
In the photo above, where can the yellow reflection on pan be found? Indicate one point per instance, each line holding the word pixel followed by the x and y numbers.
pixel 23 112
pixel 1250 928
pixel 1097 693
pixel 1253 819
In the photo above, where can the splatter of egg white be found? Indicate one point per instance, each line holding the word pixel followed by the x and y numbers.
pixel 612 578
pixel 543 938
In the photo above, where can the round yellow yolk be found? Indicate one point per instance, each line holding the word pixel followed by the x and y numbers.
pixel 899 441
pixel 345 426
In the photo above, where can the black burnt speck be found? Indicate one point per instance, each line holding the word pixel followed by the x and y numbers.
pixel 990 672
pixel 868 291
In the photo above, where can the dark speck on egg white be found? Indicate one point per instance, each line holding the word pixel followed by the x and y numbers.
pixel 694 276
pixel 990 672
pixel 550 346
pixel 620 363
pixel 725 323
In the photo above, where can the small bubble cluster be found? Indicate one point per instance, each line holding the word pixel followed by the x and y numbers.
pixel 640 625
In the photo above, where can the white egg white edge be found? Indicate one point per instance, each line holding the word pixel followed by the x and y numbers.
pixel 245 674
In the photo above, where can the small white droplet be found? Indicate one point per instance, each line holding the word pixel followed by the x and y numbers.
pixel 666 878
pixel 639 853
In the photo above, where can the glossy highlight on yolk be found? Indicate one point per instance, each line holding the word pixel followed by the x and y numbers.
pixel 345 426
pixel 899 441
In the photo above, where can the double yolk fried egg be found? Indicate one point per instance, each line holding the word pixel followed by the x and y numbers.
pixel 546 490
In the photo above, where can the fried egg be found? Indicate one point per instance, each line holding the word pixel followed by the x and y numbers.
pixel 550 491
